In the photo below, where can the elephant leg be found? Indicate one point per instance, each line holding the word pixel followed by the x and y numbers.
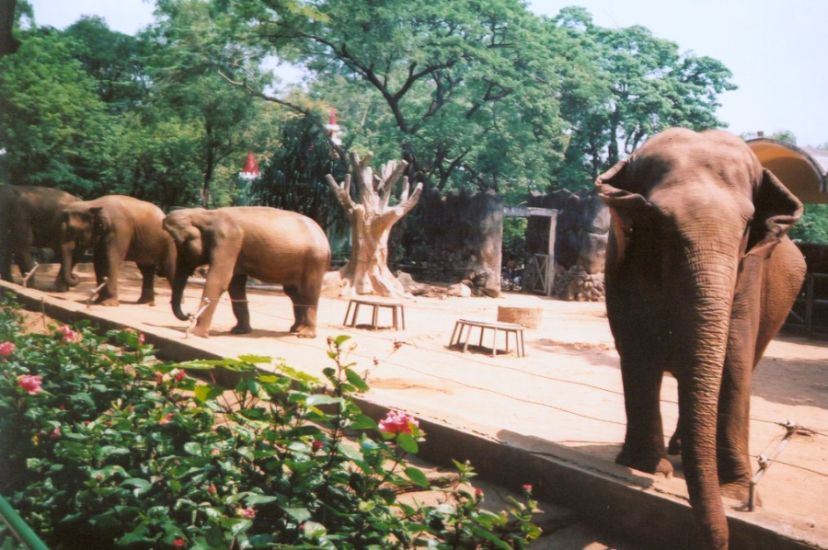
pixel 644 440
pixel 5 258
pixel 238 298
pixel 674 447
pixel 110 267
pixel 218 280
pixel 23 252
pixel 293 293
pixel 147 284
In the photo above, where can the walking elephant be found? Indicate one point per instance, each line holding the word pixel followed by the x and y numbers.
pixel 30 216
pixel 119 228
pixel 272 245
pixel 700 275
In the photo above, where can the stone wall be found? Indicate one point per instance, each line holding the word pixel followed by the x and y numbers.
pixel 581 236
pixel 461 238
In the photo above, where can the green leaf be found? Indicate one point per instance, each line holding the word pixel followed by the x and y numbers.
pixel 356 380
pixel 341 339
pixel 256 498
pixel 417 476
pixel 407 443
pixel 255 359
pixel 205 392
pixel 141 485
pixel 497 542
pixel 322 399
pixel 363 422
pixel 298 513
pixel 193 448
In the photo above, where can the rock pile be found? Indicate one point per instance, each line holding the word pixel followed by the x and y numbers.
pixel 576 284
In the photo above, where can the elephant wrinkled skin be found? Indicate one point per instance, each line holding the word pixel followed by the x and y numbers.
pixel 272 245
pixel 700 276
pixel 119 228
pixel 30 217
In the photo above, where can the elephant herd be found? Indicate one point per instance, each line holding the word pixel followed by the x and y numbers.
pixel 272 245
pixel 700 275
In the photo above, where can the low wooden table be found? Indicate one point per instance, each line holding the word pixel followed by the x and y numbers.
pixel 397 312
pixel 495 326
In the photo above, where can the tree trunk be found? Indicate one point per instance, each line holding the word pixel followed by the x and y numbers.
pixel 371 221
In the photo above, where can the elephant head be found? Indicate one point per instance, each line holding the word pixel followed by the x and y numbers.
pixel 81 226
pixel 186 227
pixel 686 209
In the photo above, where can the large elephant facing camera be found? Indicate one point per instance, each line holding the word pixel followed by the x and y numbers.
pixel 700 275
pixel 30 216
pixel 272 245
pixel 119 228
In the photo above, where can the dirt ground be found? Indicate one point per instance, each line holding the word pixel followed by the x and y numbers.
pixel 565 394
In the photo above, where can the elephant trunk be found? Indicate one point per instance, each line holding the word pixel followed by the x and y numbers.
pixel 182 274
pixel 68 248
pixel 699 365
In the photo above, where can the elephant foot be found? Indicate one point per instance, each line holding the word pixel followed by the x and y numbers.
pixel 304 331
pixel 202 332
pixel 740 491
pixel 61 286
pixel 148 300
pixel 109 302
pixel 652 463
pixel 241 329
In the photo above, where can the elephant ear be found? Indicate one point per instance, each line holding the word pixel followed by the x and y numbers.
pixel 776 210
pixel 626 207
pixel 101 222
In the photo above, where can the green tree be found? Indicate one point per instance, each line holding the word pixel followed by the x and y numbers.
pixel 117 61
pixel 188 84
pixel 294 177
pixel 52 123
pixel 464 91
pixel 624 85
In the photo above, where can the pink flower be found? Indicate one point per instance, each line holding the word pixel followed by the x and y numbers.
pixel 248 513
pixel 179 543
pixel 166 419
pixel 527 488
pixel 478 493
pixel 215 451
pixel 141 338
pixel 316 445
pixel 178 374
pixel 211 489
pixel 396 422
pixel 159 377
pixel 30 383
pixel 69 335
pixel 6 349
pixel 56 433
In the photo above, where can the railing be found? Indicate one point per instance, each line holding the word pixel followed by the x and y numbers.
pixel 16 533
pixel 810 311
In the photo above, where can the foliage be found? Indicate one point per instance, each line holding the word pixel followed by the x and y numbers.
pixel 813 226
pixel 294 177
pixel 52 122
pixel 624 85
pixel 110 448
pixel 464 91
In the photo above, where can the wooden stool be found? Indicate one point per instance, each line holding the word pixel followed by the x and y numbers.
pixel 506 328
pixel 397 312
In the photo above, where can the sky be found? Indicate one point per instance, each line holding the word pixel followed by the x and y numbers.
pixel 777 50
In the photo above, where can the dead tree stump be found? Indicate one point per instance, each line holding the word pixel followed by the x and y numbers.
pixel 371 221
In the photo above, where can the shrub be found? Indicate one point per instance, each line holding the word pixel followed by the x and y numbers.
pixel 110 447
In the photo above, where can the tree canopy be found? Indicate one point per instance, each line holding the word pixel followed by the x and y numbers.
pixel 474 95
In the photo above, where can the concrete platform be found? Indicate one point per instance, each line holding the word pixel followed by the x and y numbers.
pixel 554 418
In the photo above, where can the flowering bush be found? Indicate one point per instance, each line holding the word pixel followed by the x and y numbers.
pixel 112 448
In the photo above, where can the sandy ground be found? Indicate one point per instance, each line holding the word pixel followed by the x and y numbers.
pixel 566 393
